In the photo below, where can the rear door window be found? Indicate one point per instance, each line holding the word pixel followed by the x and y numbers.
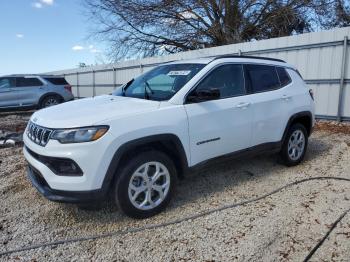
pixel 56 80
pixel 28 81
pixel 283 76
pixel 262 78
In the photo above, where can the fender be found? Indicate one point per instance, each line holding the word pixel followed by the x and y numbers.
pixel 144 141
pixel 293 118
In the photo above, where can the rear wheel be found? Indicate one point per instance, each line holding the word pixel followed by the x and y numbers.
pixel 145 184
pixel 50 101
pixel 295 145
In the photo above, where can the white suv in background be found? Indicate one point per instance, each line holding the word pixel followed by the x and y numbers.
pixel 134 144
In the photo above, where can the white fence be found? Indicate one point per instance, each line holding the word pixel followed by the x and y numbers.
pixel 321 57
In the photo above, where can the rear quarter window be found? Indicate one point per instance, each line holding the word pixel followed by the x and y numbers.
pixel 283 76
pixel 56 80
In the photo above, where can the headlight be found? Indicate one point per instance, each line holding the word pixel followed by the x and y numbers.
pixel 79 135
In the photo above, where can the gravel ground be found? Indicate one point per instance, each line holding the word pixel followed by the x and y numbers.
pixel 282 227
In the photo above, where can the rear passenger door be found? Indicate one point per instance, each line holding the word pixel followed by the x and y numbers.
pixel 8 97
pixel 270 102
pixel 29 90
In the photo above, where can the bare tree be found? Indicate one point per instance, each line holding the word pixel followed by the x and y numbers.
pixel 341 16
pixel 139 28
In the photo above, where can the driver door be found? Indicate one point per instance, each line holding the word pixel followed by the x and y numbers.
pixel 220 123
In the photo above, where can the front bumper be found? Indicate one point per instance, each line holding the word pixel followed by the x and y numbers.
pixel 92 158
pixel 39 182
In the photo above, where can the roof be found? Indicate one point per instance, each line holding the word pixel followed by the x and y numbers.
pixel 26 75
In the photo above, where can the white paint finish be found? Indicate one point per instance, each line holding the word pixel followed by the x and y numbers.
pixel 218 127
pixel 223 124
pixel 93 158
pixel 89 111
pixel 179 96
pixel 270 115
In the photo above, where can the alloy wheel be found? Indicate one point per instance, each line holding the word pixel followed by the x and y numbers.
pixel 149 185
pixel 296 145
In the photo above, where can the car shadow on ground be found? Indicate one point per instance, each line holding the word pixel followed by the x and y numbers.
pixel 210 179
pixel 218 176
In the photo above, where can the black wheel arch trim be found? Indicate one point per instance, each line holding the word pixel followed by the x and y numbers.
pixel 296 116
pixel 144 141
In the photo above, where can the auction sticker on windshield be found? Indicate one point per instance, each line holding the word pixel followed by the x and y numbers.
pixel 179 73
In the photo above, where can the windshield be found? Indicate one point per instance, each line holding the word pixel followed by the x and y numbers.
pixel 162 82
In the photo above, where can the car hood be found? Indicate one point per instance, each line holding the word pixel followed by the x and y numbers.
pixel 89 111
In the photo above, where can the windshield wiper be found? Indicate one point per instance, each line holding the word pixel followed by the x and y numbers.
pixel 146 85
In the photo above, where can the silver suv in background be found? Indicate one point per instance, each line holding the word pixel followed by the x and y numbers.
pixel 33 91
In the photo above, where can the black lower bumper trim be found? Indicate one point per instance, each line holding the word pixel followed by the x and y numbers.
pixel 41 185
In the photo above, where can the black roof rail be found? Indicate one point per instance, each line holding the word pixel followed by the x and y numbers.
pixel 249 57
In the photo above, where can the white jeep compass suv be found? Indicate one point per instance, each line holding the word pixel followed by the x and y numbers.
pixel 133 145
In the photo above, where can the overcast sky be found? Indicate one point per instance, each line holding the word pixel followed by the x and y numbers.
pixel 44 35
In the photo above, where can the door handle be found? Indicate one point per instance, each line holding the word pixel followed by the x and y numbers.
pixel 243 105
pixel 286 98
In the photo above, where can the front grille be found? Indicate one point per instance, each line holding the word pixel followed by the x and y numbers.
pixel 38 134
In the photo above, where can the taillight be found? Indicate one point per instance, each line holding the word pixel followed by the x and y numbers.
pixel 311 92
pixel 68 88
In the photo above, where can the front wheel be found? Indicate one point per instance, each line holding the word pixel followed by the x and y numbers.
pixel 295 145
pixel 145 184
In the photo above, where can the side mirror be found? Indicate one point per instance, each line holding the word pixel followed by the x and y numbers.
pixel 203 95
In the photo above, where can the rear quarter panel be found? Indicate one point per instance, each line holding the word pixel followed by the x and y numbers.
pixel 301 100
pixel 60 90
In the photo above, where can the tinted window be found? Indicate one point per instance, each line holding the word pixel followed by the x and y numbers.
pixel 7 82
pixel 27 81
pixel 56 80
pixel 262 78
pixel 228 79
pixel 283 76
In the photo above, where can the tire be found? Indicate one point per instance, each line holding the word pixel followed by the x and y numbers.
pixel 132 182
pixel 50 100
pixel 292 154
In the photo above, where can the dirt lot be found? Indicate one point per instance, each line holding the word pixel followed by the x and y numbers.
pixel 284 226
